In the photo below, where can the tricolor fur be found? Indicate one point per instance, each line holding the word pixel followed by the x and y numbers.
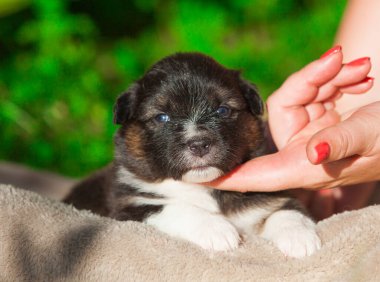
pixel 189 120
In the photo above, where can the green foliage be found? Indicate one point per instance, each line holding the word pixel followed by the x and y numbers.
pixel 64 62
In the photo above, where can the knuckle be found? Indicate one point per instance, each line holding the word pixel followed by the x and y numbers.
pixel 269 100
pixel 346 139
pixel 342 142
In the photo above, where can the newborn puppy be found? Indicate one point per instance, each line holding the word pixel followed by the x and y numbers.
pixel 189 120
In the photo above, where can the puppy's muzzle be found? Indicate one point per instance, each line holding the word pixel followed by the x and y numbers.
pixel 199 147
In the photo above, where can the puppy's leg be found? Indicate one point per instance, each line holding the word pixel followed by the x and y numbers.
pixel 208 230
pixel 274 216
pixel 292 232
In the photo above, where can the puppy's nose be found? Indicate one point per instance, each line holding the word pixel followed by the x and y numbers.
pixel 199 147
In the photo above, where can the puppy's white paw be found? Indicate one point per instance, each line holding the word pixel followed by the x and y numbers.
pixel 293 233
pixel 207 230
pixel 297 242
pixel 216 233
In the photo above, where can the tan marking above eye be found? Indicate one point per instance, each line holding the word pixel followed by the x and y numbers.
pixel 234 104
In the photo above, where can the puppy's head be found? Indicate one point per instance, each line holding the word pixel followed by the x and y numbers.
pixel 188 118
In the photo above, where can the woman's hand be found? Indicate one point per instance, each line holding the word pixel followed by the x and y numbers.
pixel 303 106
pixel 309 95
pixel 355 137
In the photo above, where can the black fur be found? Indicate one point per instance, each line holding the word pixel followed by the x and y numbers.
pixel 125 104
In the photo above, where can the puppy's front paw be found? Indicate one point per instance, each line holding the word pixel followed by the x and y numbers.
pixel 293 233
pixel 207 230
pixel 215 233
pixel 297 242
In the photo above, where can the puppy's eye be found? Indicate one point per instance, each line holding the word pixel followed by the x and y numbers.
pixel 162 118
pixel 224 111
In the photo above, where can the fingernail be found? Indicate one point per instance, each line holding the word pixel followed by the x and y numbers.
pixel 323 151
pixel 333 50
pixel 368 79
pixel 325 192
pixel 358 62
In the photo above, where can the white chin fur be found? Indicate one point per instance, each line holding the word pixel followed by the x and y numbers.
pixel 202 175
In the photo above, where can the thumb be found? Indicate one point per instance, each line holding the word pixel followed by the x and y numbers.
pixel 354 136
pixel 273 172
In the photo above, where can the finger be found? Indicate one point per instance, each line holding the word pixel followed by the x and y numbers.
pixel 315 110
pixel 302 87
pixel 290 168
pixel 353 196
pixel 267 173
pixel 360 87
pixel 329 118
pixel 272 172
pixel 350 74
pixel 322 204
pixel 353 72
pixel 329 92
pixel 329 105
pixel 357 135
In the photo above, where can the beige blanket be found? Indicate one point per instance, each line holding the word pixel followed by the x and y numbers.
pixel 44 240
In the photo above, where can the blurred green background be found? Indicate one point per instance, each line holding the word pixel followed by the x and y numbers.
pixel 62 63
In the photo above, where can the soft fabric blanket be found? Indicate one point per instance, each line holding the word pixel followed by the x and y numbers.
pixel 45 240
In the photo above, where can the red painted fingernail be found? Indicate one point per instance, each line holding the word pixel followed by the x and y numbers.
pixel 333 50
pixel 323 151
pixel 359 61
pixel 368 79
pixel 325 192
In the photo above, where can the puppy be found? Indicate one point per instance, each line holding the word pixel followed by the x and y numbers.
pixel 189 120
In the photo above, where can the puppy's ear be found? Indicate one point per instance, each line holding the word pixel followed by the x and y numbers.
pixel 125 105
pixel 251 95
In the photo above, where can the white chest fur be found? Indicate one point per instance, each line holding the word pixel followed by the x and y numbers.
pixel 189 212
pixel 173 192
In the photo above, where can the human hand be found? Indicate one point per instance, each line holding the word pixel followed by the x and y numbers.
pixel 326 202
pixel 323 203
pixel 347 140
pixel 312 92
